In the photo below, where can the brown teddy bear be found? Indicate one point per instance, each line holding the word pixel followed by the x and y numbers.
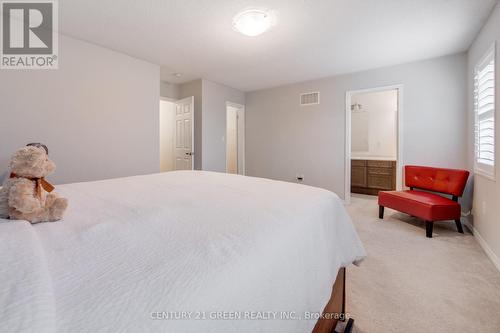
pixel 26 195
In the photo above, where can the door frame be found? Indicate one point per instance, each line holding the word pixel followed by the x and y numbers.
pixel 399 135
pixel 240 136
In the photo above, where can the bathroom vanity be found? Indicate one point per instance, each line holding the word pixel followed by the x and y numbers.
pixel 369 176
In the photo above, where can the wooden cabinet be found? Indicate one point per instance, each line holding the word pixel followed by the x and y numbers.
pixel 358 173
pixel 372 176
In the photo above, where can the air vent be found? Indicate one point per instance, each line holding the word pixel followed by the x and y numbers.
pixel 309 98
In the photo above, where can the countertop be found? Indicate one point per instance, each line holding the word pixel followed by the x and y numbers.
pixel 373 158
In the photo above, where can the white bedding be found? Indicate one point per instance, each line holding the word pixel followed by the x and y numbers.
pixel 210 244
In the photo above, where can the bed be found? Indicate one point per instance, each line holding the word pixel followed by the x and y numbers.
pixel 183 251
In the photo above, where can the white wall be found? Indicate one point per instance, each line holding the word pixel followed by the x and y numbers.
pixel 169 90
pixel 214 98
pixel 486 192
pixel 167 132
pixel 374 128
pixel 283 139
pixel 98 113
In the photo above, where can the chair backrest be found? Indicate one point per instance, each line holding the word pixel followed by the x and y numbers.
pixel 449 181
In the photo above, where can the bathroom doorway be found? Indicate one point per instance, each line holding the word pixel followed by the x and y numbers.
pixel 373 140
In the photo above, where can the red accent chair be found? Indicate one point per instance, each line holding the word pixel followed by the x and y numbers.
pixel 425 205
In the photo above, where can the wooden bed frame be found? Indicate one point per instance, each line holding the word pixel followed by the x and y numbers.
pixel 335 308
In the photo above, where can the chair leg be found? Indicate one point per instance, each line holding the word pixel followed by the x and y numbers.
pixel 428 228
pixel 380 212
pixel 459 226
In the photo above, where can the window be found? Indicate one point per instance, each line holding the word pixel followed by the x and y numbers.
pixel 484 112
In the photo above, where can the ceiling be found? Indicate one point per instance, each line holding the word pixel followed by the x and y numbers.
pixel 312 38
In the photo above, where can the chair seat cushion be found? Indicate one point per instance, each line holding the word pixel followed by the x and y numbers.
pixel 425 205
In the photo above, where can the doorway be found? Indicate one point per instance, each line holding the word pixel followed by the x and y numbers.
pixel 167 135
pixel 176 134
pixel 373 140
pixel 235 138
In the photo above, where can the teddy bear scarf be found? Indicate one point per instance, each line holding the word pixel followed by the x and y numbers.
pixel 41 183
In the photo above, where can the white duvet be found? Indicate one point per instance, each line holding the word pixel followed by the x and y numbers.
pixel 182 251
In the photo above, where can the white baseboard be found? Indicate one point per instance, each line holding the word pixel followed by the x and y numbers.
pixel 486 248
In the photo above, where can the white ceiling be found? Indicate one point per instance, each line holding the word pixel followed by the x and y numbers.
pixel 312 38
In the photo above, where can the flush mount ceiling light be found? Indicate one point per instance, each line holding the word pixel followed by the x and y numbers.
pixel 253 22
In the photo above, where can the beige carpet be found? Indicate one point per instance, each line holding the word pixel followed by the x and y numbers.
pixel 410 283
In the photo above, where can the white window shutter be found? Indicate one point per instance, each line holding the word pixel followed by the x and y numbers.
pixel 484 112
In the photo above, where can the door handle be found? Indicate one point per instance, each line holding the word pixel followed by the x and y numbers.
pixel 190 153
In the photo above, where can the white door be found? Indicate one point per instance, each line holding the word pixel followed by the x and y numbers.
pixel 184 133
